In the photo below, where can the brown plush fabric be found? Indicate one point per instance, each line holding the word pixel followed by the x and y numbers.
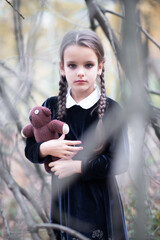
pixel 42 128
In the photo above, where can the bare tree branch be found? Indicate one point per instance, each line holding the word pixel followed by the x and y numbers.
pixel 96 13
pixel 62 228
pixel 156 127
pixel 138 25
pixel 34 204
pixel 11 109
pixel 44 185
pixel 19 36
pixel 148 35
pixel 8 69
pixel 13 186
pixel 133 52
pixel 152 91
pixel 5 222
pixel 14 9
pixel 154 68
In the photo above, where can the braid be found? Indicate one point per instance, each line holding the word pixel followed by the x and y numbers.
pixel 101 108
pixel 62 97
pixel 102 103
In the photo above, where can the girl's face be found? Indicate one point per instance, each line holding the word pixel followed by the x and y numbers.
pixel 81 68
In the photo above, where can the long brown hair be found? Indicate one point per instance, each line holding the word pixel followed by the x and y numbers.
pixel 84 38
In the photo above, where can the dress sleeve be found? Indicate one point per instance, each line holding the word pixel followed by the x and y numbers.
pixel 114 159
pixel 32 151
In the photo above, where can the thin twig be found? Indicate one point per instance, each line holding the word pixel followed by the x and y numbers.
pixel 148 35
pixel 62 228
pixel 156 229
pixel 114 13
pixel 19 36
pixel 152 91
pixel 66 19
pixel 5 221
pixel 15 9
pixel 10 70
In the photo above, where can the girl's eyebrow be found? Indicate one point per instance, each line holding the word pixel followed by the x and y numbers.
pixel 90 61
pixel 72 61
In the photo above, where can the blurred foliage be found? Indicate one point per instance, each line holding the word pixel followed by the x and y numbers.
pixel 30 83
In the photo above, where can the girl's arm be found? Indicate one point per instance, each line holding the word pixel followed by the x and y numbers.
pixel 63 168
pixel 32 151
pixel 39 152
pixel 113 161
pixel 60 148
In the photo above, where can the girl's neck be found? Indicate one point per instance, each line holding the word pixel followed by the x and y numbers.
pixel 79 96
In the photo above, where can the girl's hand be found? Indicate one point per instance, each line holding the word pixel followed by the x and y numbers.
pixel 60 148
pixel 63 168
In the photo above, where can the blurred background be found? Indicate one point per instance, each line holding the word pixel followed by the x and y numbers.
pixel 30 35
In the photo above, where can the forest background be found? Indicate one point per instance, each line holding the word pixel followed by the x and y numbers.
pixel 30 34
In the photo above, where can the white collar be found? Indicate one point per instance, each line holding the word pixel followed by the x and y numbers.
pixel 87 102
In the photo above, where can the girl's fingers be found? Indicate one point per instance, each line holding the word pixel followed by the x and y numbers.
pixel 61 148
pixel 67 157
pixel 57 173
pixel 72 142
pixel 62 168
pixel 55 164
pixel 69 154
pixel 74 149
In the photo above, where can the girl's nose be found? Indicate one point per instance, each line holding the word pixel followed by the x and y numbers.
pixel 80 72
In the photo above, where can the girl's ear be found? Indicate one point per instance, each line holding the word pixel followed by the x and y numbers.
pixel 61 66
pixel 100 67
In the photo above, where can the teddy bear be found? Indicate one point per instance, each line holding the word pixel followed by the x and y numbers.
pixel 43 128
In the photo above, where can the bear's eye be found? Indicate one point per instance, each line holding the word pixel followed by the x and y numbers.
pixel 36 111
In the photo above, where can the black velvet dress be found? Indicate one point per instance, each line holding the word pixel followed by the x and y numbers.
pixel 89 202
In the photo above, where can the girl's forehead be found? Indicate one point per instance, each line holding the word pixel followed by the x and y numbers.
pixel 76 53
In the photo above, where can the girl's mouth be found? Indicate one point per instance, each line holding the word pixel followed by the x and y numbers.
pixel 80 81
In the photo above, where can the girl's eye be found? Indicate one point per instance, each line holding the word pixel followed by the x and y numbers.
pixel 72 65
pixel 89 65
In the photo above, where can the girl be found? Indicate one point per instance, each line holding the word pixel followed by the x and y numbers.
pixel 85 195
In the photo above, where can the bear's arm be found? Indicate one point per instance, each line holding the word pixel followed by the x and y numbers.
pixel 27 131
pixel 58 126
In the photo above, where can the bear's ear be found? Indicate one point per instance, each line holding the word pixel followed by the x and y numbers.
pixel 46 111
